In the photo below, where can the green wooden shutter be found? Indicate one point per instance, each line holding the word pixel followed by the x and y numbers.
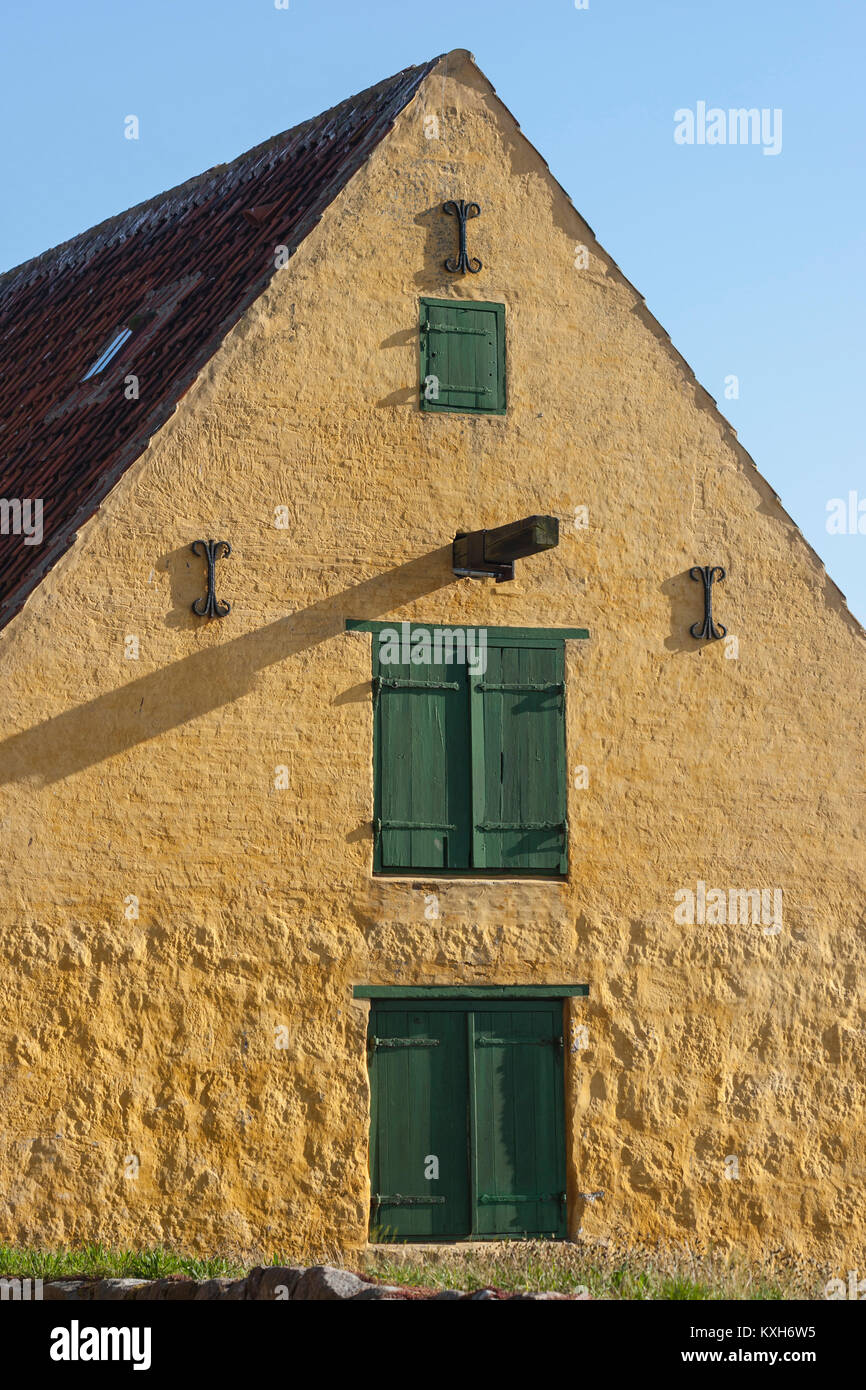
pixel 422 811
pixel 518 760
pixel 418 1086
pixel 516 1098
pixel 477 1087
pixel 462 356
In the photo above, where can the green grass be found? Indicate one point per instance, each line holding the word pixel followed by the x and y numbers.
pixel 95 1261
pixel 513 1266
pixel 561 1267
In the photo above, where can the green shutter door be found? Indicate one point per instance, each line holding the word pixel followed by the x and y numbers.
pixel 422 814
pixel 462 347
pixel 418 1079
pixel 518 741
pixel 478 1089
pixel 516 1094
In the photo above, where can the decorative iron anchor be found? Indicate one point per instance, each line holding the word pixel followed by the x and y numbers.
pixel 462 211
pixel 210 606
pixel 707 629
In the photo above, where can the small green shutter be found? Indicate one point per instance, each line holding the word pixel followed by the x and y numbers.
pixel 518 745
pixel 422 816
pixel 462 356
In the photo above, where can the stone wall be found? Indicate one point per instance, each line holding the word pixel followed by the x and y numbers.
pixel 318 1284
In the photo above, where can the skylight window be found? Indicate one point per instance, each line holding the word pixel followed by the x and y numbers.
pixel 111 351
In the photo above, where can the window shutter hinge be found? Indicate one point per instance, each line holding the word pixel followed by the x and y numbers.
pixel 373 1043
pixel 397 1199
pixel 498 826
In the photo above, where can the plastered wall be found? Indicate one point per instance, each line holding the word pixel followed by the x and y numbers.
pixel 181 1059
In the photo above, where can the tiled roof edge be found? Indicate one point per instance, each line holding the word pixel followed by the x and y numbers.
pixel 77 250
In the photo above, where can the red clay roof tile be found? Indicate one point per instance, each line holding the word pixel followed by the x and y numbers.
pixel 194 258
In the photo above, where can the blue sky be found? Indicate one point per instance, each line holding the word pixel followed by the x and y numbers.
pixel 753 263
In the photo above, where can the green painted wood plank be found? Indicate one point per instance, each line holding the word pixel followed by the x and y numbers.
pixel 470 303
pixel 472 1119
pixel 543 636
pixel 477 744
pixel 516 993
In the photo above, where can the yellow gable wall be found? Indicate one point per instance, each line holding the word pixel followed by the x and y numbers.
pixel 143 1096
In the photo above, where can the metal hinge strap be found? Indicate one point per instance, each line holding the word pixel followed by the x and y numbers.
pixel 380 825
pixel 398 1200
pixel 398 683
pixel 501 1199
pixel 518 687
pixel 471 390
pixel 447 328
pixel 496 826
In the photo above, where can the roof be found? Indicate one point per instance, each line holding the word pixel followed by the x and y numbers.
pixel 180 270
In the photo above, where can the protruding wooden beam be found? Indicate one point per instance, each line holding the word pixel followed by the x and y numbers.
pixel 482 554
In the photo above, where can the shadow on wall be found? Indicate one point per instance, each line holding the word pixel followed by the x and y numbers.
pixel 206 680
pixel 441 241
pixel 686 599
pixel 187 577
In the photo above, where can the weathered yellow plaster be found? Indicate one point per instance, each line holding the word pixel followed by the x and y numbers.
pixel 152 1038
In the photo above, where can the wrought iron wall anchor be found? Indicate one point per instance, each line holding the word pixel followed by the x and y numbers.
pixel 462 211
pixel 707 629
pixel 210 606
